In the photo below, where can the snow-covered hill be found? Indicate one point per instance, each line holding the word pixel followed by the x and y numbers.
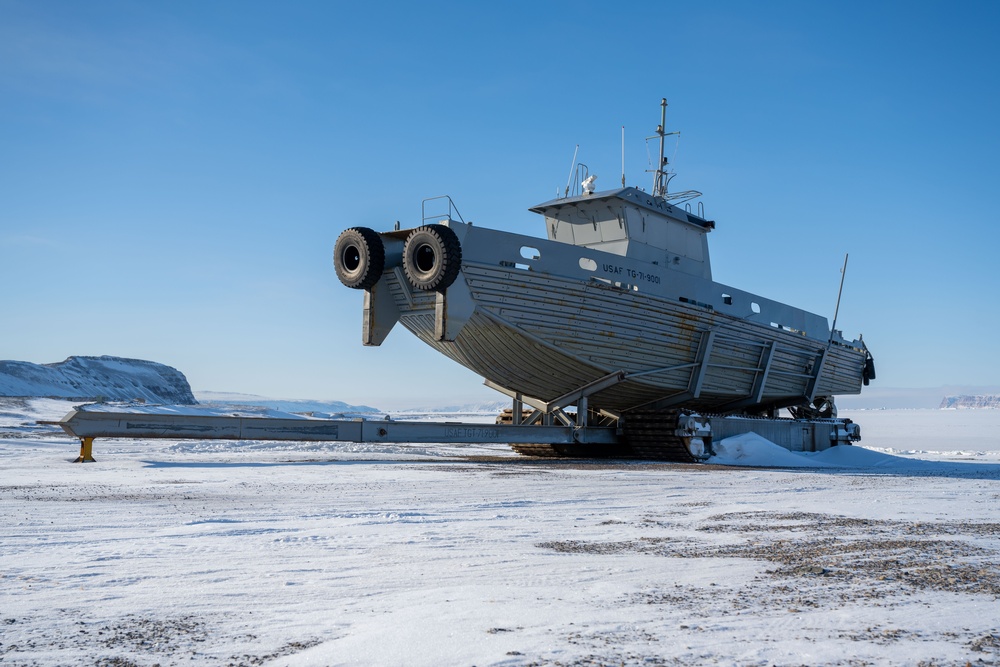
pixel 971 402
pixel 90 378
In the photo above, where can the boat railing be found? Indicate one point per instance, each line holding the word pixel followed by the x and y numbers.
pixel 701 209
pixel 439 204
pixel 580 173
pixel 681 197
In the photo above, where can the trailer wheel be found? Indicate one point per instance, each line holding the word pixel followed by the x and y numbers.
pixel 359 257
pixel 432 257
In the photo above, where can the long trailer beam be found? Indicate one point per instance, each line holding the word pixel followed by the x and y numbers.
pixel 89 424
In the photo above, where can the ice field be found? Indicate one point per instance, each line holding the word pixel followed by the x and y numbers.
pixel 198 552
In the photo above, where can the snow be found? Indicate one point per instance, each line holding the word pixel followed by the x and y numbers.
pixel 750 449
pixel 241 553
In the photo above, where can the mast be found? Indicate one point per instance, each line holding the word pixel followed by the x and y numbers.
pixel 658 181
pixel 662 177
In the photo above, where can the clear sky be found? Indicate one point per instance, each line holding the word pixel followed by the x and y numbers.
pixel 173 174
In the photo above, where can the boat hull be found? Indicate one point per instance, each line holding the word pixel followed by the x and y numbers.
pixel 543 319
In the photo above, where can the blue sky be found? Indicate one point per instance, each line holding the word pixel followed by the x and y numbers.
pixel 173 174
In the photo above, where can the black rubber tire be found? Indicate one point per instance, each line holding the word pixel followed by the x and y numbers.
pixel 432 257
pixel 359 257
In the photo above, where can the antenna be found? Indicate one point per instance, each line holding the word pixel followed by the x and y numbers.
pixel 836 311
pixel 660 176
pixel 571 166
pixel 659 186
pixel 623 156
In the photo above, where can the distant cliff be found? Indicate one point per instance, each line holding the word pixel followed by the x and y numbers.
pixel 282 405
pixel 90 378
pixel 990 401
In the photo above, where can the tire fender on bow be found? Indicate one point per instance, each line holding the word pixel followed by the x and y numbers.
pixel 359 257
pixel 432 257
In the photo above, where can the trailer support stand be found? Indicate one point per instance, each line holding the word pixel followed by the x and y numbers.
pixel 86 451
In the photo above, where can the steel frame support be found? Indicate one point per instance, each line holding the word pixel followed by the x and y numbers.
pixel 380 314
pixel 767 356
pixel 698 371
pixel 817 372
pixel 704 353
pixel 699 368
pixel 760 381
pixel 553 410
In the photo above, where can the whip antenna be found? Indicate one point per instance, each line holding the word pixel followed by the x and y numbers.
pixel 571 165
pixel 836 311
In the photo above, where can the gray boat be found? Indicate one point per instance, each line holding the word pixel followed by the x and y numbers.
pixel 615 313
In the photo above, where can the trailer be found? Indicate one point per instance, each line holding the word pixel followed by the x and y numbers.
pixel 685 436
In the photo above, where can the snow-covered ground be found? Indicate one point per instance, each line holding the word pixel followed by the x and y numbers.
pixel 196 552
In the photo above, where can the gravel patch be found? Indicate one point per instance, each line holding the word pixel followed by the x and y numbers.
pixel 905 555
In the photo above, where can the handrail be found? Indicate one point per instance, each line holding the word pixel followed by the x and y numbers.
pixel 581 172
pixel 451 207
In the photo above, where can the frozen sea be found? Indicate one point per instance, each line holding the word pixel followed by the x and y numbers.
pixel 949 433
pixel 250 553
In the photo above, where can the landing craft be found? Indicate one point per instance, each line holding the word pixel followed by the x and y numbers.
pixel 615 313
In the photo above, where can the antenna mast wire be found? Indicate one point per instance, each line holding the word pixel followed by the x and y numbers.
pixel 572 164
pixel 836 311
